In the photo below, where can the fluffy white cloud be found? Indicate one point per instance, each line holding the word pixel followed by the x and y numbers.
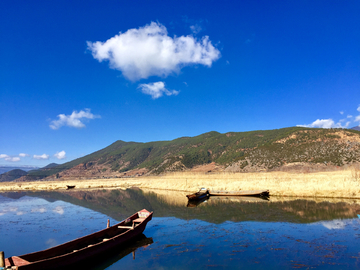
pixel 43 156
pixel 12 159
pixel 60 155
pixel 156 90
pixel 149 51
pixel 23 155
pixel 73 120
pixel 9 158
pixel 323 123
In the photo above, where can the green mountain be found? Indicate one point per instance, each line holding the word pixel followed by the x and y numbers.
pixel 264 150
pixel 12 175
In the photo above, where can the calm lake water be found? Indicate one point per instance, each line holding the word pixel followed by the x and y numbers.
pixel 221 233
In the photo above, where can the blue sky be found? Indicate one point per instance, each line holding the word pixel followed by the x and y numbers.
pixel 76 76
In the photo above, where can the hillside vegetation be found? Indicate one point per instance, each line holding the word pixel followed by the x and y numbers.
pixel 12 175
pixel 294 148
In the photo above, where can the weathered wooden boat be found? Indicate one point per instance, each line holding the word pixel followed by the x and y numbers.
pixel 83 250
pixel 259 193
pixel 203 193
pixel 69 187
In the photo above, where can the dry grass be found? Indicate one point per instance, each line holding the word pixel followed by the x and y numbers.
pixel 337 184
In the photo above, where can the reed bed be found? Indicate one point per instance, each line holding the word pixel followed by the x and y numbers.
pixel 341 184
pixel 336 184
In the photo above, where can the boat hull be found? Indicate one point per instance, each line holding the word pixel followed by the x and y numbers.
pixel 70 255
pixel 197 196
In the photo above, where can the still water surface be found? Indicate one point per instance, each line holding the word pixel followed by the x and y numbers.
pixel 217 234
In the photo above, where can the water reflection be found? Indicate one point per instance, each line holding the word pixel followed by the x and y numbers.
pixel 142 242
pixel 221 233
pixel 120 204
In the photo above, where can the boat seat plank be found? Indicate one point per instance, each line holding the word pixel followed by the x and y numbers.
pixel 139 220
pixel 126 227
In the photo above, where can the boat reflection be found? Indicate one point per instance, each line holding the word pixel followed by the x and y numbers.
pixel 195 203
pixel 141 242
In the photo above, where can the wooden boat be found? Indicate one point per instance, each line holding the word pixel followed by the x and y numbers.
pixel 200 195
pixel 69 187
pixel 259 193
pixel 81 251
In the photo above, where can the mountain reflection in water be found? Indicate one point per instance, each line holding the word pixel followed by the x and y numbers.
pixel 120 204
pixel 221 233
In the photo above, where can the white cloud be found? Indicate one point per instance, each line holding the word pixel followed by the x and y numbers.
pixel 341 112
pixel 43 156
pixel 12 159
pixel 73 120
pixel 149 51
pixel 196 28
pixel 358 109
pixel 156 90
pixel 8 158
pixel 323 123
pixel 60 155
pixel 23 155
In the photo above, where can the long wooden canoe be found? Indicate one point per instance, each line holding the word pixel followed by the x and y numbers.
pixel 261 193
pixel 82 250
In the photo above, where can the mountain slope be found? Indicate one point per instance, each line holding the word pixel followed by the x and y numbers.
pixel 12 175
pixel 282 149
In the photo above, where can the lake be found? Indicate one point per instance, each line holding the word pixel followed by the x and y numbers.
pixel 221 233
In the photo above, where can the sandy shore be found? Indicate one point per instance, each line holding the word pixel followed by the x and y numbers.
pixel 337 184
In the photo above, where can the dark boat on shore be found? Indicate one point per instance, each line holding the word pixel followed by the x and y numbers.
pixel 254 193
pixel 81 251
pixel 69 187
pixel 202 194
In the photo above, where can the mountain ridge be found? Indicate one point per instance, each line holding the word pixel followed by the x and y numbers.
pixel 293 148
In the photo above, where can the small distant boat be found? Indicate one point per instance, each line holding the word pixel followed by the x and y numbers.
pixel 69 187
pixel 259 193
pixel 203 193
pixel 81 251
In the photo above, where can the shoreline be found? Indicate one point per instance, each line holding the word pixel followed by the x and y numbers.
pixel 339 184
